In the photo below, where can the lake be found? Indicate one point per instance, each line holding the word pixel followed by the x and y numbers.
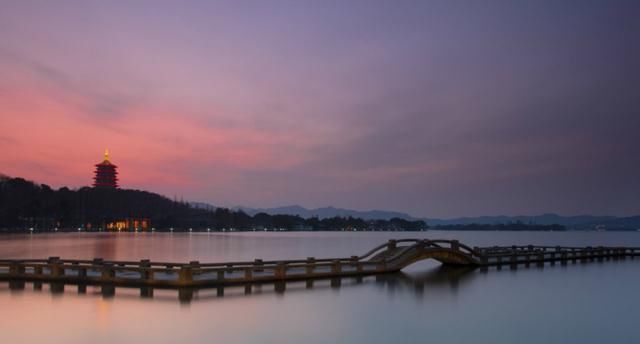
pixel 591 302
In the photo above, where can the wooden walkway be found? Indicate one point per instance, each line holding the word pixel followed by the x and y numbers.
pixel 386 258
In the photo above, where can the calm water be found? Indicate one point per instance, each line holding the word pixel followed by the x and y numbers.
pixel 578 303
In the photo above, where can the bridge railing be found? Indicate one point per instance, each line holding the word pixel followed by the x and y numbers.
pixel 527 254
pixel 391 244
pixel 506 250
pixel 194 273
pixel 146 272
pixel 454 245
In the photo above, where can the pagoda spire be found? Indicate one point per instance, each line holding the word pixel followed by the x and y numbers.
pixel 106 173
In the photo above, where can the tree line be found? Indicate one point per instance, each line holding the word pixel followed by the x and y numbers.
pixel 25 204
pixel 513 226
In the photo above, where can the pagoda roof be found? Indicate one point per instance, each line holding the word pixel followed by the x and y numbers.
pixel 106 163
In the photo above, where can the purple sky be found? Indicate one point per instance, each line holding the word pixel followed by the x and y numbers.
pixel 436 108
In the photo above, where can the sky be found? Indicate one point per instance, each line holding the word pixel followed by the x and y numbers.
pixel 435 108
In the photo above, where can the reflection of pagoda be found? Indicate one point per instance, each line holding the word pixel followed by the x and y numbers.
pixel 106 174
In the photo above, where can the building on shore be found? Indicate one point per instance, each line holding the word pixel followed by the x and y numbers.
pixel 128 224
pixel 106 174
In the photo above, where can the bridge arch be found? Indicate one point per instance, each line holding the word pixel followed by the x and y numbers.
pixel 449 252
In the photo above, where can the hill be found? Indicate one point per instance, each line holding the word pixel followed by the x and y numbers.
pixel 25 204
pixel 328 212
pixel 582 222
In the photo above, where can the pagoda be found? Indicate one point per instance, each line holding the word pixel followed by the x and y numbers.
pixel 106 174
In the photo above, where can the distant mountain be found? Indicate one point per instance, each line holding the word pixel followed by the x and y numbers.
pixel 328 212
pixel 544 219
pixel 571 222
pixel 202 205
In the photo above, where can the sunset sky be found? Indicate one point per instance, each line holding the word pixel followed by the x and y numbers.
pixel 435 108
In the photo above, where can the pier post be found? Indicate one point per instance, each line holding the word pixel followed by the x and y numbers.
pixel 355 263
pixel 280 271
pixel 185 276
pixel 144 266
pixel 37 270
pixel 258 263
pixel 95 264
pixel 248 274
pixel 185 295
pixel 220 276
pixel 540 260
pixel 56 267
pixel 146 292
pixel 336 282
pixel 16 269
pixel 82 273
pixel 311 265
pixel 108 291
pixel 195 268
pixel 107 273
pixel 514 261
pixel 336 267
pixel 16 284
pixel 563 258
pixel 146 274
pixel 280 287
pixel 56 288
pixel 484 263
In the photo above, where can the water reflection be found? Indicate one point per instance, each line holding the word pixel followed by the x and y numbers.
pixel 441 278
pixel 578 303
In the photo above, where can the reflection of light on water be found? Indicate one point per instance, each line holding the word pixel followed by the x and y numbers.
pixel 102 311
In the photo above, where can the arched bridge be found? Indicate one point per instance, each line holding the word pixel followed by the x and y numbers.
pixel 397 254
pixel 389 257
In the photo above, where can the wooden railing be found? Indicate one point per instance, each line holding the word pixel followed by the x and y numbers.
pixel 388 257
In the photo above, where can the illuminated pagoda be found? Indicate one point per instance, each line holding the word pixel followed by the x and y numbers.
pixel 106 174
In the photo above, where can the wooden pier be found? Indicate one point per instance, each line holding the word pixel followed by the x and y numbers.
pixel 386 258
